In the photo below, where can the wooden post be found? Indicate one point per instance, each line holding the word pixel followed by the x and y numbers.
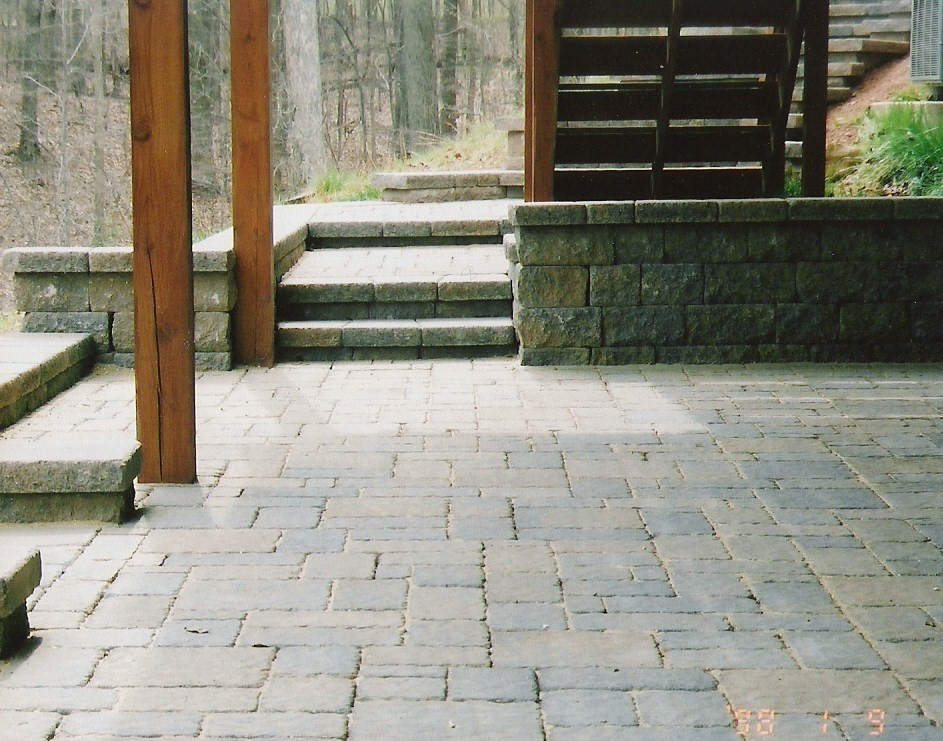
pixel 540 99
pixel 162 235
pixel 815 98
pixel 254 317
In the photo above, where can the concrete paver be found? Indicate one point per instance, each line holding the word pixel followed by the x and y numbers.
pixel 473 549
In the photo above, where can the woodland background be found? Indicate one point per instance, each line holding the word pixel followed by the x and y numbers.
pixel 356 85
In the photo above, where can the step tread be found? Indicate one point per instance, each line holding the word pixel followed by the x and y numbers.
pixel 397 274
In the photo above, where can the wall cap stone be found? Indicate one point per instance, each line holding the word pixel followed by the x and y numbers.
pixel 548 214
pixel 47 259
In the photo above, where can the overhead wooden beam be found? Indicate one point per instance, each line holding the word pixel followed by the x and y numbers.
pixel 162 235
pixel 254 316
pixel 814 98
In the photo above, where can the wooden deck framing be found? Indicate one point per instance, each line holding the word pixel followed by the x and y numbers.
pixel 671 98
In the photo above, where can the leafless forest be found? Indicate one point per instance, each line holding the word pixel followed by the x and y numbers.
pixel 356 83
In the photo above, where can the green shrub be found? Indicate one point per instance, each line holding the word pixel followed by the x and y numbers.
pixel 901 154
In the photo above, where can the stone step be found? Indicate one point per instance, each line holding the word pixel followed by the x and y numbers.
pixel 20 574
pixel 397 283
pixel 401 339
pixel 68 477
pixel 36 367
pixel 383 224
pixel 424 186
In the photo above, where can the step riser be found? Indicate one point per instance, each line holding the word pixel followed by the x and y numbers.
pixel 331 354
pixel 400 310
pixel 486 237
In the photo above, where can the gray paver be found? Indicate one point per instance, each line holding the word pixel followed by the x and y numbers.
pixel 354 528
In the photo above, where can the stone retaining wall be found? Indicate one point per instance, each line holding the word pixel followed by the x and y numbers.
pixel 428 186
pixel 729 281
pixel 64 289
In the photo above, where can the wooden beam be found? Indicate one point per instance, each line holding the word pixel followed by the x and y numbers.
pixel 162 235
pixel 254 315
pixel 815 98
pixel 540 116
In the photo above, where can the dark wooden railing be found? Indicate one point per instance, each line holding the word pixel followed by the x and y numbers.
pixel 671 98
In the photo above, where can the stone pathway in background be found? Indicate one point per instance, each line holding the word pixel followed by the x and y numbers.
pixel 471 550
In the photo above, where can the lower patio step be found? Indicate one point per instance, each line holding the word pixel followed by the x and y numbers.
pixel 20 574
pixel 68 477
pixel 396 338
pixel 36 367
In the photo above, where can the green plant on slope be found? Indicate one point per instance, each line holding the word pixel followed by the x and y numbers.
pixel 902 154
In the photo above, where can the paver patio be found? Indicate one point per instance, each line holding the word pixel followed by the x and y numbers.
pixel 473 549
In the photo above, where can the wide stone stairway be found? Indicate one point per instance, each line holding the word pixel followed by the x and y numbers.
pixel 384 281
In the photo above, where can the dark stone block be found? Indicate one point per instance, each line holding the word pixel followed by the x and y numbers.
pixel 918 208
pixel 549 287
pixel 623 356
pixel 925 281
pixel 840 209
pixel 723 243
pixel 749 284
pixel 753 210
pixel 783 242
pixel 835 283
pixel 639 243
pixel 672 285
pixel 556 328
pixel 675 212
pixel 919 240
pixel 14 630
pixel 806 324
pixel 874 323
pixel 614 285
pixel 565 245
pixel 859 242
pixel 620 212
pixel 708 354
pixel 548 214
pixel 555 356
pixel 927 321
pixel 731 324
pixel 643 325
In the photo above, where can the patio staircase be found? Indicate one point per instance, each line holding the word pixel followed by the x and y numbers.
pixel 400 282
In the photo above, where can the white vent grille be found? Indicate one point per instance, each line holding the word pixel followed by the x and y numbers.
pixel 926 41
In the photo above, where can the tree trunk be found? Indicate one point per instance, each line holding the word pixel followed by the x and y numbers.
pixel 305 148
pixel 448 98
pixel 31 17
pixel 100 122
pixel 64 95
pixel 416 73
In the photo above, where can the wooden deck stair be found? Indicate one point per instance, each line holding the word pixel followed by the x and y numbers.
pixel 671 98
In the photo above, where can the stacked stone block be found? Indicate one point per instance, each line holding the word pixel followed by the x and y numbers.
pixel 729 281
pixel 89 290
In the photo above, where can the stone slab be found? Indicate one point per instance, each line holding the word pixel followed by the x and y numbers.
pixel 20 574
pixel 70 463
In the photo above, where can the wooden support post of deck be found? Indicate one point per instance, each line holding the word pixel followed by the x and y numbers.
pixel 540 99
pixel 254 316
pixel 815 98
pixel 162 235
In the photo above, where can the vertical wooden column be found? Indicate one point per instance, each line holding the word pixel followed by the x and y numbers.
pixel 254 318
pixel 540 100
pixel 815 98
pixel 162 234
